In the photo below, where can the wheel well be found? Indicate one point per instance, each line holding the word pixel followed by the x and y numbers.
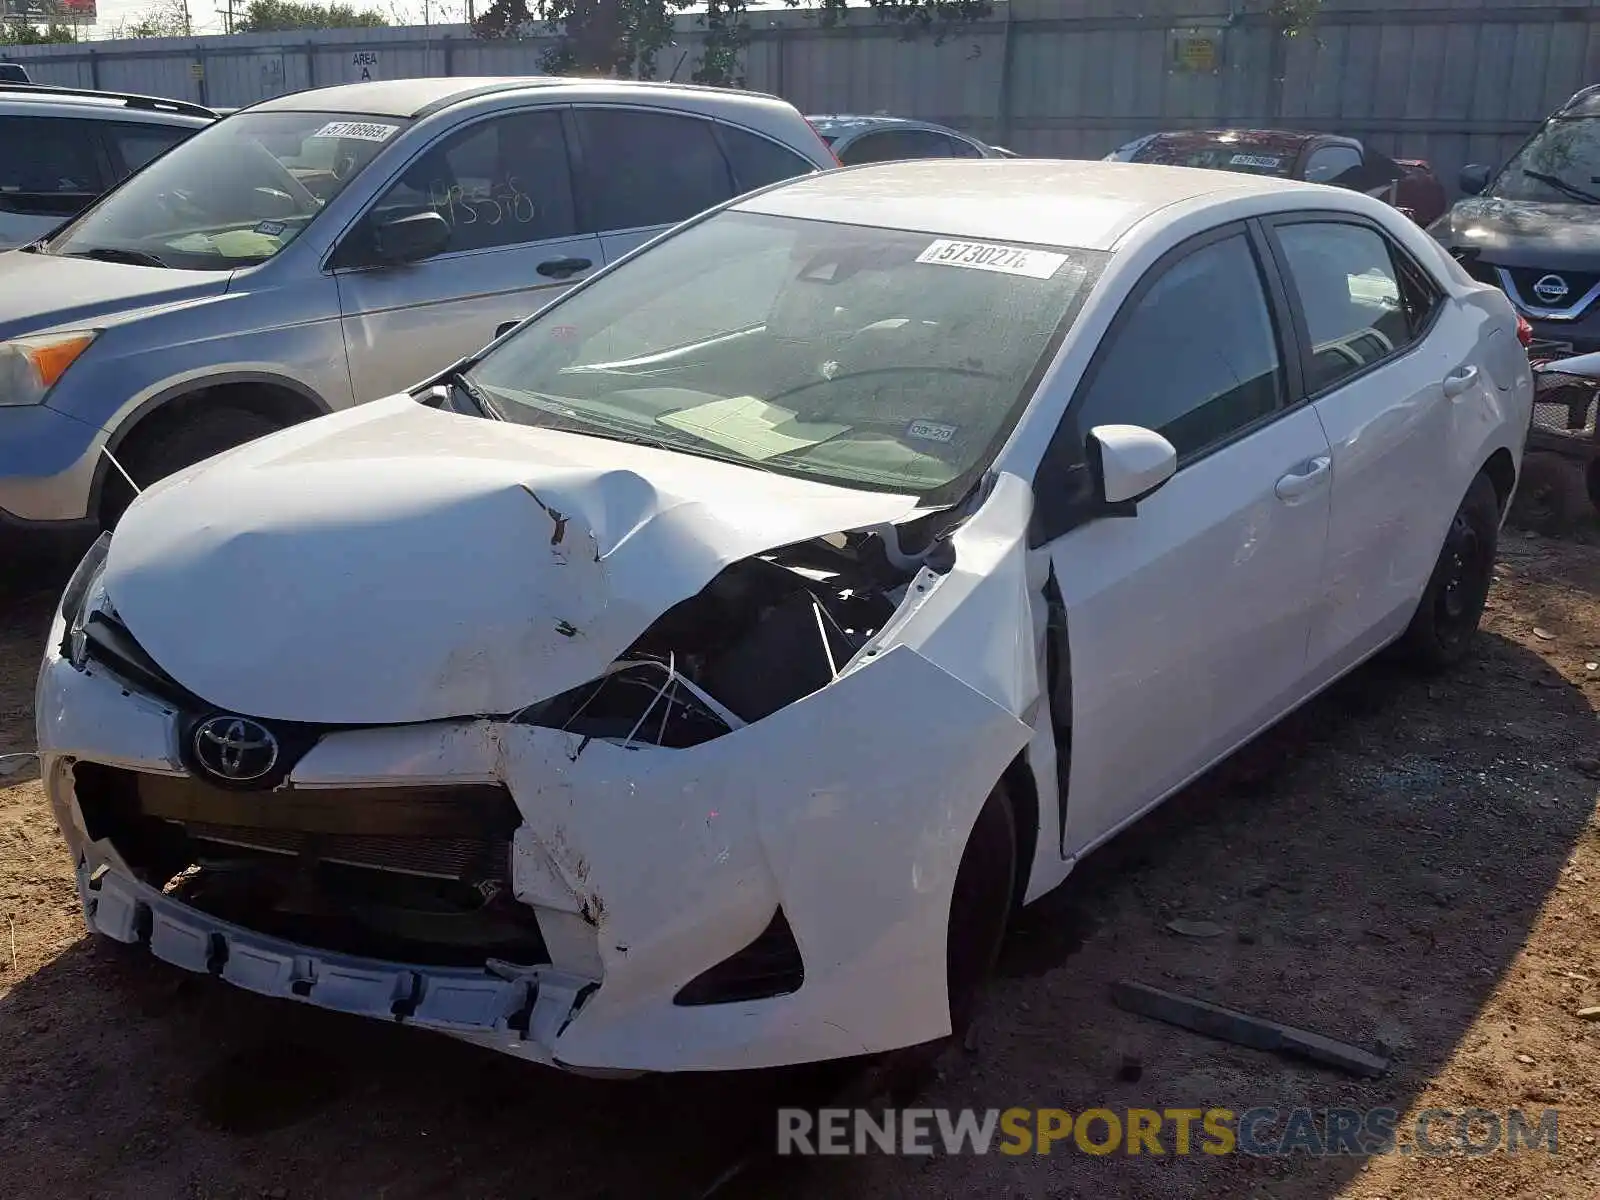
pixel 1503 474
pixel 275 402
pixel 1024 796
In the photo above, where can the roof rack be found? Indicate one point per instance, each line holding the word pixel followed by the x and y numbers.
pixel 147 103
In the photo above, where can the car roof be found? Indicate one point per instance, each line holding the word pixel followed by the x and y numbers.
pixel 1281 142
pixel 1088 205
pixel 418 97
pixel 82 106
pixel 841 123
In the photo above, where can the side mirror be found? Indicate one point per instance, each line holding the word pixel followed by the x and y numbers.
pixel 1128 462
pixel 411 239
pixel 1474 179
pixel 504 328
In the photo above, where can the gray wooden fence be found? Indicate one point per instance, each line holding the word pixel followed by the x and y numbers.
pixel 1453 81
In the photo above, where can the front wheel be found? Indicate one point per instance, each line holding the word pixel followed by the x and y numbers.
pixel 1442 631
pixel 980 908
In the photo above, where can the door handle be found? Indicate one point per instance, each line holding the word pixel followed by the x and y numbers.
pixel 1458 381
pixel 561 268
pixel 1304 479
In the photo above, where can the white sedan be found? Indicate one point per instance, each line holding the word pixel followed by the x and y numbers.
pixel 700 676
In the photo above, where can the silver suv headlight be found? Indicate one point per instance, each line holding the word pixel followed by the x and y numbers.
pixel 30 366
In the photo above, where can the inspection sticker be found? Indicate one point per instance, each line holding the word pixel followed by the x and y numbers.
pixel 931 431
pixel 984 256
pixel 1255 160
pixel 361 131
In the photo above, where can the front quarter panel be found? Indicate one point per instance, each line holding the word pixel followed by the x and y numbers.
pixel 281 326
pixel 850 809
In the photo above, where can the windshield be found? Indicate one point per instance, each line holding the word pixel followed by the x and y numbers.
pixel 1213 156
pixel 1560 165
pixel 865 357
pixel 231 196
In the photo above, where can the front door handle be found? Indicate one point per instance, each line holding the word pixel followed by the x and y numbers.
pixel 1459 381
pixel 562 268
pixel 1304 479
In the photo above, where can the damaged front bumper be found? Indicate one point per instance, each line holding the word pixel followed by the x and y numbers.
pixel 517 1010
pixel 840 819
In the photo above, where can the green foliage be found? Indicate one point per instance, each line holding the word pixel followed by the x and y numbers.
pixel 170 18
pixel 276 16
pixel 33 35
pixel 625 37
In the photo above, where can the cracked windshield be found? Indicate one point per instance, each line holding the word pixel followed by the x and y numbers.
pixel 871 358
pixel 231 196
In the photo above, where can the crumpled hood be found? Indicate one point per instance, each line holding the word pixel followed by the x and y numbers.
pixel 44 291
pixel 394 563
pixel 1525 233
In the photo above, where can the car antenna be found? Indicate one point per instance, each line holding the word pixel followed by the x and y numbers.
pixel 106 450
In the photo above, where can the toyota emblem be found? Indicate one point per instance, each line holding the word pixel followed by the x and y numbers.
pixel 1552 289
pixel 235 749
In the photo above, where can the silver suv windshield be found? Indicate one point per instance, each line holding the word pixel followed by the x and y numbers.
pixel 872 358
pixel 231 196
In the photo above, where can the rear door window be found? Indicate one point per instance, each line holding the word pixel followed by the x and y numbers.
pixel 757 161
pixel 132 146
pixel 893 145
pixel 1330 162
pixel 642 168
pixel 49 167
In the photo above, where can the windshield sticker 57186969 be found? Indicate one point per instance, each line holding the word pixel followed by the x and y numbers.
pixel 361 131
pixel 986 256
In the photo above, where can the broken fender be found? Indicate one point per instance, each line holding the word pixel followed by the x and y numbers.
pixel 850 809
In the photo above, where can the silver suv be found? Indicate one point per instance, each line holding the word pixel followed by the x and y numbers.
pixel 62 147
pixel 334 246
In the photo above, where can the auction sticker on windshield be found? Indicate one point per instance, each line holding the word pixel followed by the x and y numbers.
pixel 1255 160
pixel 985 256
pixel 361 131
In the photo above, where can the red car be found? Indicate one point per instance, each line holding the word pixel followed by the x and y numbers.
pixel 1408 184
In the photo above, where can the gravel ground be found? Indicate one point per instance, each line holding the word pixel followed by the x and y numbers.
pixel 1407 864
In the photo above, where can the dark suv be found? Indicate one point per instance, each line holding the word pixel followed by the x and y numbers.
pixel 1533 227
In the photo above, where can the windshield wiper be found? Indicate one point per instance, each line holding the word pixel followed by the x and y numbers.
pixel 1561 185
pixel 479 398
pixel 136 258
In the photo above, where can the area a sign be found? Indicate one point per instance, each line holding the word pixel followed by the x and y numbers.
pixel 362 67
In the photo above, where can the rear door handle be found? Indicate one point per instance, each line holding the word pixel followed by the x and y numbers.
pixel 1459 381
pixel 1304 479
pixel 561 268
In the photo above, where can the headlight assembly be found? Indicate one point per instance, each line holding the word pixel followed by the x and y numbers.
pixel 85 596
pixel 30 366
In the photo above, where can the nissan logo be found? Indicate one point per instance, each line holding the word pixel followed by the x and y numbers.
pixel 1552 289
pixel 235 749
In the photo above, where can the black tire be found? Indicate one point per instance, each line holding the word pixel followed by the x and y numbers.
pixel 1591 479
pixel 980 908
pixel 1446 621
pixel 197 436
pixel 1549 494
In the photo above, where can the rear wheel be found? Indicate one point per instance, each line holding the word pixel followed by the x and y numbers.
pixel 1446 621
pixel 198 435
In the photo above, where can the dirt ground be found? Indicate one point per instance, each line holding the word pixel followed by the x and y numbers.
pixel 1408 864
